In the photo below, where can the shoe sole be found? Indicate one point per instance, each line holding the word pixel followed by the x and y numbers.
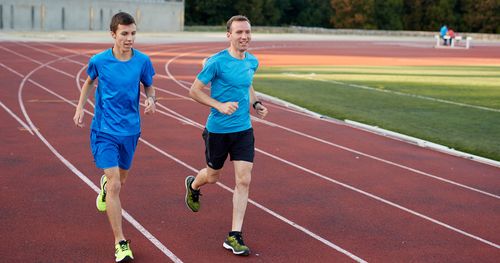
pixel 125 259
pixel 187 192
pixel 241 253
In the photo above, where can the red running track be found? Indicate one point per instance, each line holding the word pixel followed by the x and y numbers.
pixel 322 191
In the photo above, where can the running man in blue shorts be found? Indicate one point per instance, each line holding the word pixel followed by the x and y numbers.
pixel 228 129
pixel 116 128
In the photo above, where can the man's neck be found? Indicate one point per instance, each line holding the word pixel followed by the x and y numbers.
pixel 121 54
pixel 236 53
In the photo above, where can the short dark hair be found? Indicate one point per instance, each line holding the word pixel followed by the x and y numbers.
pixel 121 18
pixel 235 18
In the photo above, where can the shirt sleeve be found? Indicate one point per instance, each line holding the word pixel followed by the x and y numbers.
pixel 92 69
pixel 147 73
pixel 208 72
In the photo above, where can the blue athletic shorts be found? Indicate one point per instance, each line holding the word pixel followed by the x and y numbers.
pixel 113 150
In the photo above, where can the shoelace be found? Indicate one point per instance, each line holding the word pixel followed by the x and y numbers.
pixel 124 246
pixel 196 195
pixel 104 191
pixel 239 238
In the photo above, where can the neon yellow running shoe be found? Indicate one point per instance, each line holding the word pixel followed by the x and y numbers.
pixel 101 197
pixel 123 253
pixel 234 242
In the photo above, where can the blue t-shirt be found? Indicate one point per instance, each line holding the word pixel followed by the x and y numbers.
pixel 230 79
pixel 443 31
pixel 118 91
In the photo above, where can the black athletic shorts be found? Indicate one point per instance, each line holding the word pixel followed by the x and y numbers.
pixel 239 146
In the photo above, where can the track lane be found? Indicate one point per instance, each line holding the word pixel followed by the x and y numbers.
pixel 259 161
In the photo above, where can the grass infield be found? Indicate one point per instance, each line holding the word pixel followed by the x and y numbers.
pixel 458 107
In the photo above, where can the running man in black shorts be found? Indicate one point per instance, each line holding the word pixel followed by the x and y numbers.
pixel 228 129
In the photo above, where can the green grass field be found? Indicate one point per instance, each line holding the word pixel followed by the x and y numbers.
pixel 458 107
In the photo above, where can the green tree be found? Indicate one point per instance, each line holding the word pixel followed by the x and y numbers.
pixel 271 13
pixel 438 13
pixel 461 15
pixel 482 16
pixel 388 14
pixel 353 14
pixel 413 11
pixel 208 12
pixel 216 12
pixel 251 9
pixel 316 13
pixel 285 7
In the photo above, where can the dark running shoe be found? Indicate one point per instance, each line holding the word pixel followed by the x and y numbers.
pixel 192 196
pixel 236 244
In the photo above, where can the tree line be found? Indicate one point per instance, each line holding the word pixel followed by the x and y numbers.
pixel 479 16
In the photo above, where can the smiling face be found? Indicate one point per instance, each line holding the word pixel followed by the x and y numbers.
pixel 124 37
pixel 239 36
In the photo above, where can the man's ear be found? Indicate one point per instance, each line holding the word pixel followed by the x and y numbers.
pixel 113 35
pixel 228 34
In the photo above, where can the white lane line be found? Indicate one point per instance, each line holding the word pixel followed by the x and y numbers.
pixel 36 61
pixel 78 79
pixel 392 92
pixel 25 126
pixel 384 161
pixel 48 52
pixel 84 178
pixel 19 95
pixel 12 70
pixel 404 167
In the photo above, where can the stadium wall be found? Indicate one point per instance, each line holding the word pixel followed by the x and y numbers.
pixel 71 15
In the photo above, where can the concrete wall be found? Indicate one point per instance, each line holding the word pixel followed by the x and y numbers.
pixel 56 15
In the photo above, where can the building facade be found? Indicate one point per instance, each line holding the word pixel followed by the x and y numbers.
pixel 74 15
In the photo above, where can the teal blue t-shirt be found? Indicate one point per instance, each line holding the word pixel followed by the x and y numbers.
pixel 230 80
pixel 118 91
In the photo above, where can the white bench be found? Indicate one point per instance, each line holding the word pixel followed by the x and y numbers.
pixel 456 39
